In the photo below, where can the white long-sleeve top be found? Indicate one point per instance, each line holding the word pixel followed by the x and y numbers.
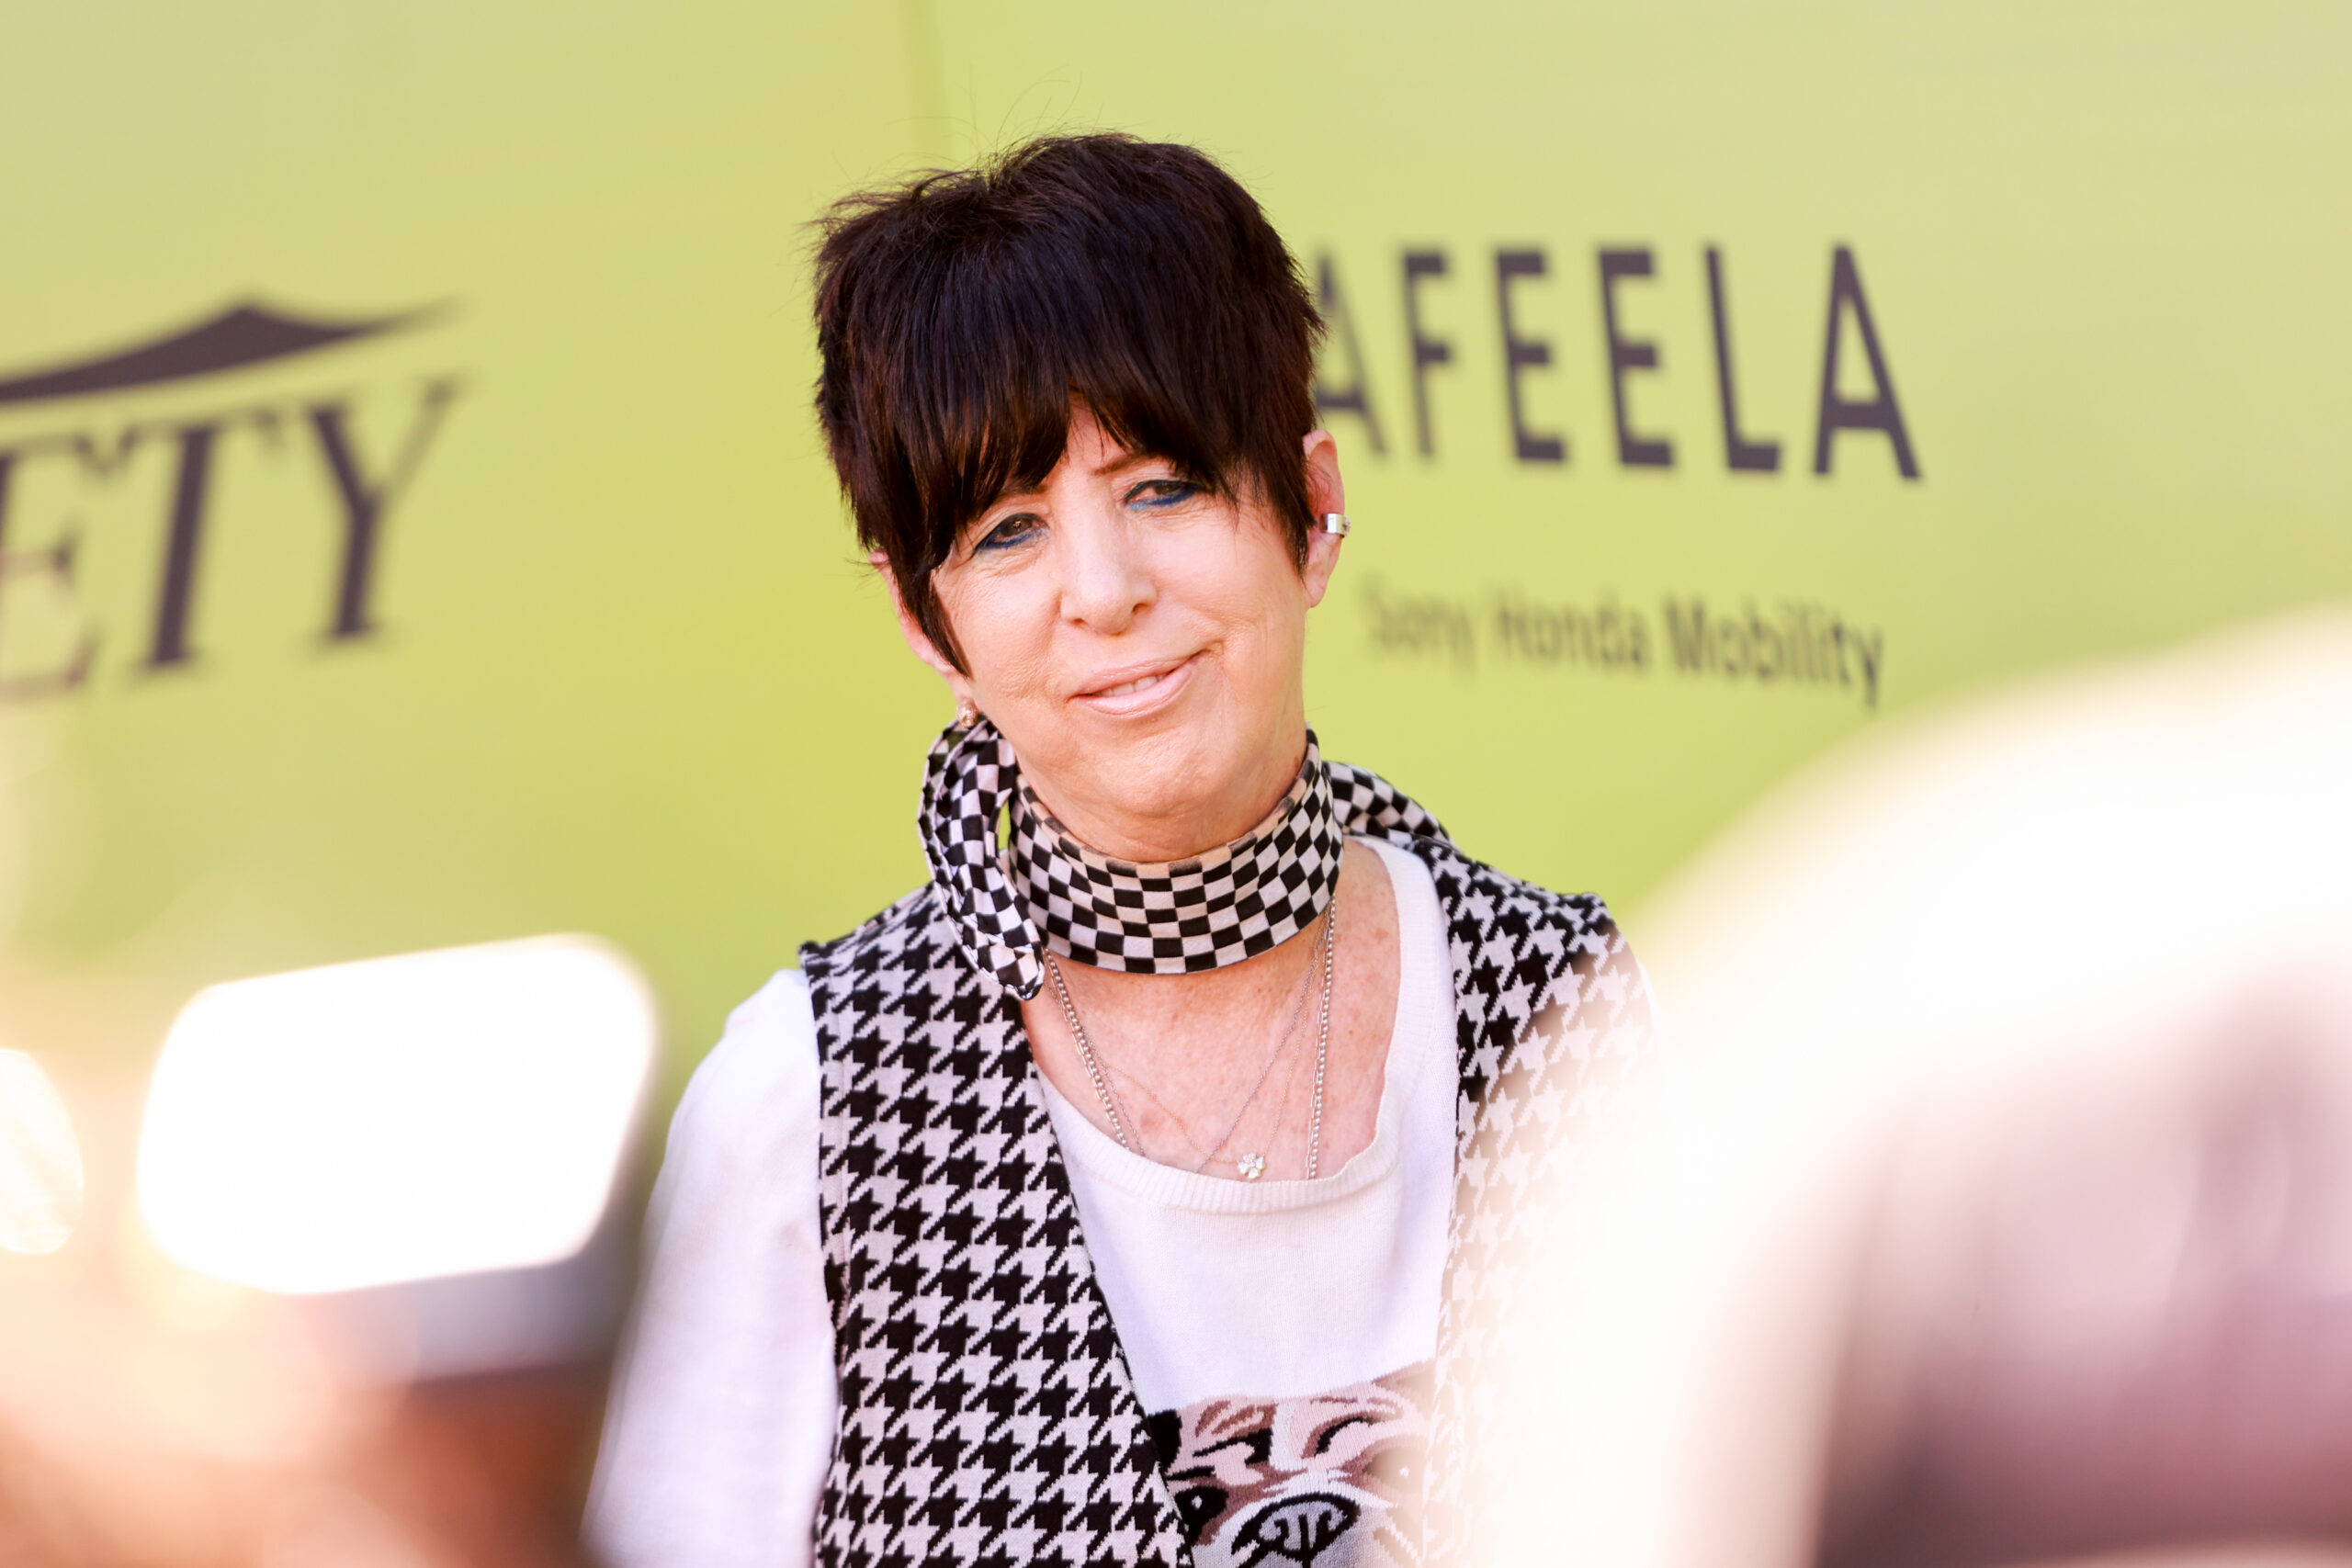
pixel 1277 1330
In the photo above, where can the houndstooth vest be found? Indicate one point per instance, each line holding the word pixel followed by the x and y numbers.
pixel 987 1413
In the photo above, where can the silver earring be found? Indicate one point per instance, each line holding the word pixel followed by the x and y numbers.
pixel 1337 522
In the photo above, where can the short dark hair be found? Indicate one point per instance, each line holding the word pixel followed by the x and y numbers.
pixel 959 314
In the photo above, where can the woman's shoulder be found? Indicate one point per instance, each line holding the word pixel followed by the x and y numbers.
pixel 874 936
pixel 757 1088
pixel 1471 892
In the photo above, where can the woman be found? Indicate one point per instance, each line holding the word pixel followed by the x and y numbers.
pixel 1132 1193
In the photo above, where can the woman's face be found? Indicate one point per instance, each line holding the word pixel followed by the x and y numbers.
pixel 1139 640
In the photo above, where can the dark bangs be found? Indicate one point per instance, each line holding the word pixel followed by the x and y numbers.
pixel 960 313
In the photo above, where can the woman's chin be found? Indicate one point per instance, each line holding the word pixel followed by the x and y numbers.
pixel 1171 792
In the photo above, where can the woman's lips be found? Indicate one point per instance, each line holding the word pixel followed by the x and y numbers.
pixel 1141 693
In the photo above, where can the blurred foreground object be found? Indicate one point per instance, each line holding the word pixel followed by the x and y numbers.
pixel 361 1308
pixel 2111 1303
pixel 40 1161
pixel 401 1119
pixel 2016 1053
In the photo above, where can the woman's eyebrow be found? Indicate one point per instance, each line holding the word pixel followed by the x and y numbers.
pixel 1124 461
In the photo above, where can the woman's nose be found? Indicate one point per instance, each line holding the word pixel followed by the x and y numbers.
pixel 1107 576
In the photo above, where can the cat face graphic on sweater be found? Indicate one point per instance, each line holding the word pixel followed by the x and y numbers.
pixel 1326 1481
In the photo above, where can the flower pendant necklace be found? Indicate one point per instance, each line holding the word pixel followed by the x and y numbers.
pixel 1251 1165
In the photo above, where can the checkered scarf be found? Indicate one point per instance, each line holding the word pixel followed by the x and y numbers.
pixel 1218 909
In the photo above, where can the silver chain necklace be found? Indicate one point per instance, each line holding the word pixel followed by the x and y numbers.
pixel 1281 1047
pixel 1252 1165
pixel 1274 1057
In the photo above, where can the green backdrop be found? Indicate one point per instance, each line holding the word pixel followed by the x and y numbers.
pixel 455 559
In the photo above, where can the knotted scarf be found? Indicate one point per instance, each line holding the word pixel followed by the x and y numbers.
pixel 1047 892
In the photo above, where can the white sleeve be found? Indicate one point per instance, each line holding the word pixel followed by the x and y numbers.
pixel 720 1427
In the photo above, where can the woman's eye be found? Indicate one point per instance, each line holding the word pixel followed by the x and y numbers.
pixel 1011 531
pixel 1157 493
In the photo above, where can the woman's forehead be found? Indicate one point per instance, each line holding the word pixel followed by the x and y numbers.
pixel 1091 452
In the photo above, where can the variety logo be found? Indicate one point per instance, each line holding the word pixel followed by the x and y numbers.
pixel 242 336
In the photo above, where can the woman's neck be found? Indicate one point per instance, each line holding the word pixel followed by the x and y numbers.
pixel 1183 823
pixel 1183 1052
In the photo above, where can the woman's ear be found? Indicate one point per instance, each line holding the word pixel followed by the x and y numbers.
pixel 918 640
pixel 1325 493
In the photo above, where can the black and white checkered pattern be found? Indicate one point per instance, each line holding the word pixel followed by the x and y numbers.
pixel 969 777
pixel 987 1415
pixel 1049 889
